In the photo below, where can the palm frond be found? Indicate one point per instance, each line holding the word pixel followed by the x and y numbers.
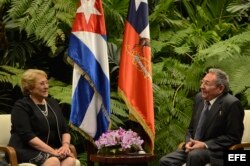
pixel 156 46
pixel 44 18
pixel 231 55
pixel 18 53
pixel 180 37
pixel 202 40
pixel 115 12
pixel 165 15
pixel 11 75
pixel 226 49
pixel 172 106
pixel 190 9
pixel 3 2
pixel 237 72
pixel 239 8
pixel 62 93
pixel 119 111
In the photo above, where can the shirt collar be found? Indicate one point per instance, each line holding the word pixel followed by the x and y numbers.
pixel 212 101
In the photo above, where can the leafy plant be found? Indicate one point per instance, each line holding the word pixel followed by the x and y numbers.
pixel 47 20
pixel 172 105
pixel 187 37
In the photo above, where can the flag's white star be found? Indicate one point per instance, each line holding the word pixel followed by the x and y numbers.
pixel 88 7
pixel 138 2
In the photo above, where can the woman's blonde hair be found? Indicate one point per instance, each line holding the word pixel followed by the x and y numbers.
pixel 29 79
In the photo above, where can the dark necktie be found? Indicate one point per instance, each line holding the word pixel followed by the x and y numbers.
pixel 198 132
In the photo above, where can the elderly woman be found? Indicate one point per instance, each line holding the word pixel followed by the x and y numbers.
pixel 39 132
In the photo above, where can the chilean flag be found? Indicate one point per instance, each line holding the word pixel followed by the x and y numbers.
pixel 90 109
pixel 135 73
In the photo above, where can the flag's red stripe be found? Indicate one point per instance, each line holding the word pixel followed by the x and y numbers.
pixel 95 24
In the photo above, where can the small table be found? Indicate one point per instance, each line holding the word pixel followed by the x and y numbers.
pixel 122 159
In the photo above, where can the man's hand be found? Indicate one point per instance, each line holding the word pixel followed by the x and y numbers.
pixel 194 144
pixel 188 146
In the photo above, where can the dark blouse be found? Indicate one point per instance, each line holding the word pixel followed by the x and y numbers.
pixel 28 122
pixel 53 139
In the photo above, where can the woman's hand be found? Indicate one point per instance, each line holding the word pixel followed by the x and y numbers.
pixel 64 151
pixel 55 153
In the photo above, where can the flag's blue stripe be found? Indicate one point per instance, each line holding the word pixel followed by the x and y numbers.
pixel 137 18
pixel 82 96
pixel 84 58
pixel 102 124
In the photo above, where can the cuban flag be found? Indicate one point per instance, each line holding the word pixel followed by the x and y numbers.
pixel 135 72
pixel 90 108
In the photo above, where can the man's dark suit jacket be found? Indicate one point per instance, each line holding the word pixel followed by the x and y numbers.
pixel 224 125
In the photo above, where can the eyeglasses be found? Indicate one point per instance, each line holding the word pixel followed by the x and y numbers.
pixel 44 83
pixel 207 83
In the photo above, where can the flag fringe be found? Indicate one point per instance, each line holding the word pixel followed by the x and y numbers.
pixel 83 73
pixel 137 117
pixel 85 135
pixel 86 76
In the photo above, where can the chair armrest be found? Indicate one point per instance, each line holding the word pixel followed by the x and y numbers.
pixel 11 154
pixel 240 146
pixel 73 150
pixel 180 146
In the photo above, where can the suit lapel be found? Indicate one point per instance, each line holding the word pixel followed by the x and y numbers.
pixel 214 111
pixel 200 108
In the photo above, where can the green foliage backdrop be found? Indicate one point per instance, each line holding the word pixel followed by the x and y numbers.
pixel 187 37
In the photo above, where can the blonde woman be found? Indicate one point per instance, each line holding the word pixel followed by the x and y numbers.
pixel 39 132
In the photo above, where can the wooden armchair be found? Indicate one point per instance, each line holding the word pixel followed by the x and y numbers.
pixel 9 152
